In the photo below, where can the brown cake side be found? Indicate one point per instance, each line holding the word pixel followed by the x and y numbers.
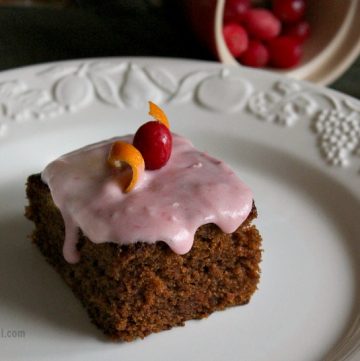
pixel 132 291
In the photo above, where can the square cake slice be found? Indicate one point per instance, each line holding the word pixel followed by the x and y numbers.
pixel 146 230
pixel 133 290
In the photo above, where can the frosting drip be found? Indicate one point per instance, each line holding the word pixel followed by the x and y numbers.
pixel 168 204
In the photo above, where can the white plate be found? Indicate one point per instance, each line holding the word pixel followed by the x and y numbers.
pixel 307 305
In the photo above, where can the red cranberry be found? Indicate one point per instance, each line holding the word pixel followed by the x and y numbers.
pixel 256 55
pixel 285 52
pixel 301 30
pixel 261 24
pixel 289 11
pixel 154 141
pixel 236 39
pixel 235 10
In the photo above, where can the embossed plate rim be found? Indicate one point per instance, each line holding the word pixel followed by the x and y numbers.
pixel 259 103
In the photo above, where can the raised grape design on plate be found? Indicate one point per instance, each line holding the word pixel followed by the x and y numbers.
pixel 74 86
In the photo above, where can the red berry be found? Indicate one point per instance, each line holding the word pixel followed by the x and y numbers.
pixel 154 141
pixel 301 30
pixel 289 11
pixel 262 24
pixel 235 10
pixel 285 52
pixel 236 38
pixel 256 55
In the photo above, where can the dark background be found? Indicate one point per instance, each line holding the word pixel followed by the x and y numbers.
pixel 94 28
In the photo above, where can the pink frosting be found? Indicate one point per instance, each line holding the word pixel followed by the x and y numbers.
pixel 168 204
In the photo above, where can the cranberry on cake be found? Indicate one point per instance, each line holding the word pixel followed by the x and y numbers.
pixel 147 231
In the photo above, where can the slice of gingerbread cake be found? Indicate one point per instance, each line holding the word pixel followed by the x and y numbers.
pixel 146 230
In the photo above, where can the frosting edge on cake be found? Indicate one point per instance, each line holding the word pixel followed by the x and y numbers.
pixel 168 204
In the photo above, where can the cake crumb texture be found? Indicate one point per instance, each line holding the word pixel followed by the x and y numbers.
pixel 131 291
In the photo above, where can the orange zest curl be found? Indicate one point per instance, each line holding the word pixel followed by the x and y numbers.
pixel 124 153
pixel 157 113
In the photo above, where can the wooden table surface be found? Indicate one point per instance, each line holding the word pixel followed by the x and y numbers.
pixel 116 28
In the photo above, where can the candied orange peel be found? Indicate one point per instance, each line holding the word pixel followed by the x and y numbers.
pixel 157 113
pixel 122 153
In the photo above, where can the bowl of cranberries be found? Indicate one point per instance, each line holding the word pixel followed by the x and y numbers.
pixel 314 40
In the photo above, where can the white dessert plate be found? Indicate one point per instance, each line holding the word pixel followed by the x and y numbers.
pixel 296 145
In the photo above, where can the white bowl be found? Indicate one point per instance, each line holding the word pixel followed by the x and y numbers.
pixel 333 46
